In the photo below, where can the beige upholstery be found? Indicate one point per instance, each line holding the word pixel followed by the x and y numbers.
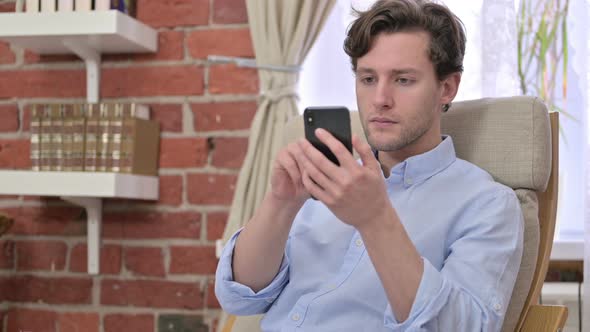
pixel 511 139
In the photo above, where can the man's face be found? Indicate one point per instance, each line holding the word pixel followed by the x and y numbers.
pixel 398 93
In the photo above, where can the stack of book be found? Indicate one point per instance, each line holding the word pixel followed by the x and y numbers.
pixel 35 6
pixel 106 137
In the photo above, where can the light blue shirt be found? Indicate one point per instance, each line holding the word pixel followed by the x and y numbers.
pixel 467 228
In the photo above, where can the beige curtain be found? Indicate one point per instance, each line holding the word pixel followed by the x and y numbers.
pixel 282 31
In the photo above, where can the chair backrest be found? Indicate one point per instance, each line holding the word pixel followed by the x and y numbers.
pixel 514 140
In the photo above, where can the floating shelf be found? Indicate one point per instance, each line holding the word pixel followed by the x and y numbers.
pixel 86 189
pixel 86 34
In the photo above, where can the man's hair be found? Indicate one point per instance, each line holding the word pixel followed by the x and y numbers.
pixel 447 35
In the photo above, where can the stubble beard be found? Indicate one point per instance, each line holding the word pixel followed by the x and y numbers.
pixel 407 137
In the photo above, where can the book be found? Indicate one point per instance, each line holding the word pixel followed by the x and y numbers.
pixel 103 159
pixel 139 149
pixel 65 5
pixel 92 138
pixel 102 4
pixel 45 141
pixel 33 6
pixel 83 5
pixel 56 158
pixel 78 137
pixel 35 129
pixel 67 136
pixel 48 6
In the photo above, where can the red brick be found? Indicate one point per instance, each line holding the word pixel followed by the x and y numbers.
pixel 47 290
pixel 170 190
pixel 230 11
pixel 168 115
pixel 128 323
pixel 152 225
pixel 110 259
pixel 78 321
pixel 6 54
pixel 152 294
pixel 41 255
pixel 170 47
pixel 6 255
pixel 151 81
pixel 183 152
pixel 173 13
pixel 21 320
pixel 145 261
pixel 230 42
pixel 15 153
pixel 32 58
pixel 223 116
pixel 229 152
pixel 231 79
pixel 47 221
pixel 8 118
pixel 210 188
pixel 193 260
pixel 26 124
pixel 60 83
pixel 212 302
pixel 7 7
pixel 216 222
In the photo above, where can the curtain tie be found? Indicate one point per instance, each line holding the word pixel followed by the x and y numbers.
pixel 274 95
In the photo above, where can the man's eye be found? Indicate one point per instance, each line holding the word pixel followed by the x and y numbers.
pixel 368 80
pixel 404 81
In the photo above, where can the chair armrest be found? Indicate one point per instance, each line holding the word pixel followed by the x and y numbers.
pixel 544 318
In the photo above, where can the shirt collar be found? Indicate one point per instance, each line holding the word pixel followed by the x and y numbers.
pixel 419 168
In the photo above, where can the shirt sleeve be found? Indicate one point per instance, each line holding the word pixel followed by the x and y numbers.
pixel 238 299
pixel 472 290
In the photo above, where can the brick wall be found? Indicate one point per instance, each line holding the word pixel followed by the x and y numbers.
pixel 157 258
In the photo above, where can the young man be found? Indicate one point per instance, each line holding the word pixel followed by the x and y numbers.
pixel 409 238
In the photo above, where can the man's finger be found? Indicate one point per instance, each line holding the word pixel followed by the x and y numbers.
pixel 365 152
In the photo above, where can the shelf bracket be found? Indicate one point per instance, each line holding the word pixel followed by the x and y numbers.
pixel 92 59
pixel 93 207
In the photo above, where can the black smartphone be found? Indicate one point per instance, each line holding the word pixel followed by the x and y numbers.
pixel 335 120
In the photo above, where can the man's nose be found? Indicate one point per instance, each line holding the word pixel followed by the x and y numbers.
pixel 383 95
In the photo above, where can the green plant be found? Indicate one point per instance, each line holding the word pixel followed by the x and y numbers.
pixel 543 50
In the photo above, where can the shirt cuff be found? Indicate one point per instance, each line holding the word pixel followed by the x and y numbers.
pixel 227 288
pixel 429 290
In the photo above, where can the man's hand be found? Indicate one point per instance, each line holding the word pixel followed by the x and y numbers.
pixel 355 193
pixel 286 181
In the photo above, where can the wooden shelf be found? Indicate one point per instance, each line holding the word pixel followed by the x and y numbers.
pixel 86 189
pixel 86 34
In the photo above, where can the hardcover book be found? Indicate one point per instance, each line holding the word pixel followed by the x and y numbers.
pixel 35 128
pixel 92 137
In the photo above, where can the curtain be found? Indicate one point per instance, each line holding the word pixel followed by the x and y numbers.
pixel 282 31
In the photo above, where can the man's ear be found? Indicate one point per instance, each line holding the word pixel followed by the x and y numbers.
pixel 450 87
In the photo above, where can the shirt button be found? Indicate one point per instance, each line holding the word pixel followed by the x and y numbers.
pixel 358 242
pixel 409 181
pixel 295 317
pixel 497 306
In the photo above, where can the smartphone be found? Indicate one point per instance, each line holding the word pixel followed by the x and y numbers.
pixel 335 120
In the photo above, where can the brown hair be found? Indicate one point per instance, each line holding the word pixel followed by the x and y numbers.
pixel 447 35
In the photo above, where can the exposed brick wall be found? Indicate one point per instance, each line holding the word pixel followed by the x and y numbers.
pixel 158 258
